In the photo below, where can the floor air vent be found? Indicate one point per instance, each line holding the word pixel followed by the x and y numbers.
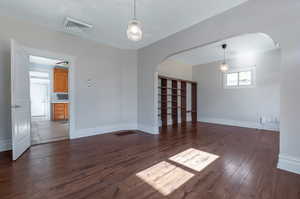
pixel 124 133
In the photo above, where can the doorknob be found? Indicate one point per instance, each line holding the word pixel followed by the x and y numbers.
pixel 16 106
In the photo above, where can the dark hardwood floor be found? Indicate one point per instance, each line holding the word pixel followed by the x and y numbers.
pixel 137 165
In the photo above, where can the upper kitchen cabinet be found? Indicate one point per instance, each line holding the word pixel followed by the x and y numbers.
pixel 60 80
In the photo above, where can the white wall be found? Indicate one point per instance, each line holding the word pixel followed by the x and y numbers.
pixel 275 18
pixel 243 106
pixel 176 69
pixel 111 102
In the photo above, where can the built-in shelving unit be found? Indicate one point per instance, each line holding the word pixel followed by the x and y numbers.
pixel 177 100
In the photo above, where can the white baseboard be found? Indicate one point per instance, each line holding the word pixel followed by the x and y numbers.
pixel 5 145
pixel 245 124
pixel 148 129
pixel 102 130
pixel 289 163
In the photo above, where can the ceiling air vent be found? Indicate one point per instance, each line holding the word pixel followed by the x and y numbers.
pixel 74 25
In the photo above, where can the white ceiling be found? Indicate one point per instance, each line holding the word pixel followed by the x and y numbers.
pixel 237 46
pixel 110 17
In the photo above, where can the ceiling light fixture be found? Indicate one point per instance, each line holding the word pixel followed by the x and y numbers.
pixel 224 66
pixel 134 29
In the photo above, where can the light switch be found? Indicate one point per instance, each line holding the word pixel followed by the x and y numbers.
pixel 89 82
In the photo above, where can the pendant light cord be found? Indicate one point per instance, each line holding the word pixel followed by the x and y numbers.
pixel 224 55
pixel 134 9
pixel 224 46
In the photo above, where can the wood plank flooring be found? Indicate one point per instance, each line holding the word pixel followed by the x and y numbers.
pixel 139 165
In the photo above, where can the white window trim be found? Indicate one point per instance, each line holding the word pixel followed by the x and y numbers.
pixel 237 70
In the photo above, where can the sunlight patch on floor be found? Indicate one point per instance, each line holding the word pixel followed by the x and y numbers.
pixel 165 177
pixel 194 159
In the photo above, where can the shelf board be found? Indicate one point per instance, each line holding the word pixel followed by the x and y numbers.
pixel 170 88
pixel 170 108
pixel 189 111
pixel 167 114
pixel 171 95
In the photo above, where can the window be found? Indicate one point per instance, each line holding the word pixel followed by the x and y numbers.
pixel 232 79
pixel 243 78
pixel 38 74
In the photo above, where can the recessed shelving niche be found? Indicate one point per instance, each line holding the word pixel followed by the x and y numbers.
pixel 177 100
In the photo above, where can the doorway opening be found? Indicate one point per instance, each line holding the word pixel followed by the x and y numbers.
pixel 47 75
pixel 49 99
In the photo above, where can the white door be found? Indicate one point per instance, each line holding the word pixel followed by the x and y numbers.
pixel 20 100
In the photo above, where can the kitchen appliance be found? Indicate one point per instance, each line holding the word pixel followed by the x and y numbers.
pixel 62 96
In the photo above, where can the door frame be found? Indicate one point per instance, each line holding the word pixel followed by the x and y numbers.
pixel 72 60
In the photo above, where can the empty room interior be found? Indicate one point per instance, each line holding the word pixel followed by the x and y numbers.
pixel 139 99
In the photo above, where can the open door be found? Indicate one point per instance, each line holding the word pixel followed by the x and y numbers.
pixel 20 100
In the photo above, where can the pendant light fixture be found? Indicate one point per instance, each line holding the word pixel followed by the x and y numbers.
pixel 224 66
pixel 134 29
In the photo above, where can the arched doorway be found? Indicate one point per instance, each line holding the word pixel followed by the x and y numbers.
pixel 250 58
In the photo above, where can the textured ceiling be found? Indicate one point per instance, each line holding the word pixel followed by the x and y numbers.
pixel 109 17
pixel 237 46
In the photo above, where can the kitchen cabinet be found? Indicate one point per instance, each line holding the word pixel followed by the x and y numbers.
pixel 60 111
pixel 61 80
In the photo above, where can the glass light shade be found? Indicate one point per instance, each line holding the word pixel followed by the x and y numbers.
pixel 224 67
pixel 134 30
